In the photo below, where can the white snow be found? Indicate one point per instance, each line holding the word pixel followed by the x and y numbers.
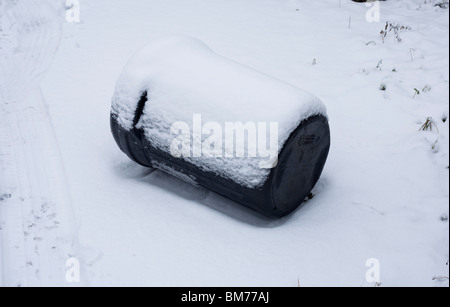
pixel 184 77
pixel 29 36
pixel 384 192
pixel 37 230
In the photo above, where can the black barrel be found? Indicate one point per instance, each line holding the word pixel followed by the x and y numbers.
pixel 301 161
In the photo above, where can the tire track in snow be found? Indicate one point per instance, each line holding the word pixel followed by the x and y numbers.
pixel 36 225
pixel 37 231
pixel 29 37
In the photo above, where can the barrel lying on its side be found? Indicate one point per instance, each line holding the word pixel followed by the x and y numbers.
pixel 180 80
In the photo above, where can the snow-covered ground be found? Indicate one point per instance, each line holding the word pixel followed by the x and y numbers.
pixel 68 192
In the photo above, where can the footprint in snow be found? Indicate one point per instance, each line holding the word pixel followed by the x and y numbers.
pixel 4 197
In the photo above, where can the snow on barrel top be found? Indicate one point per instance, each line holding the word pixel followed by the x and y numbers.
pixel 186 82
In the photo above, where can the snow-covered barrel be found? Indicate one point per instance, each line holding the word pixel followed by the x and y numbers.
pixel 183 109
